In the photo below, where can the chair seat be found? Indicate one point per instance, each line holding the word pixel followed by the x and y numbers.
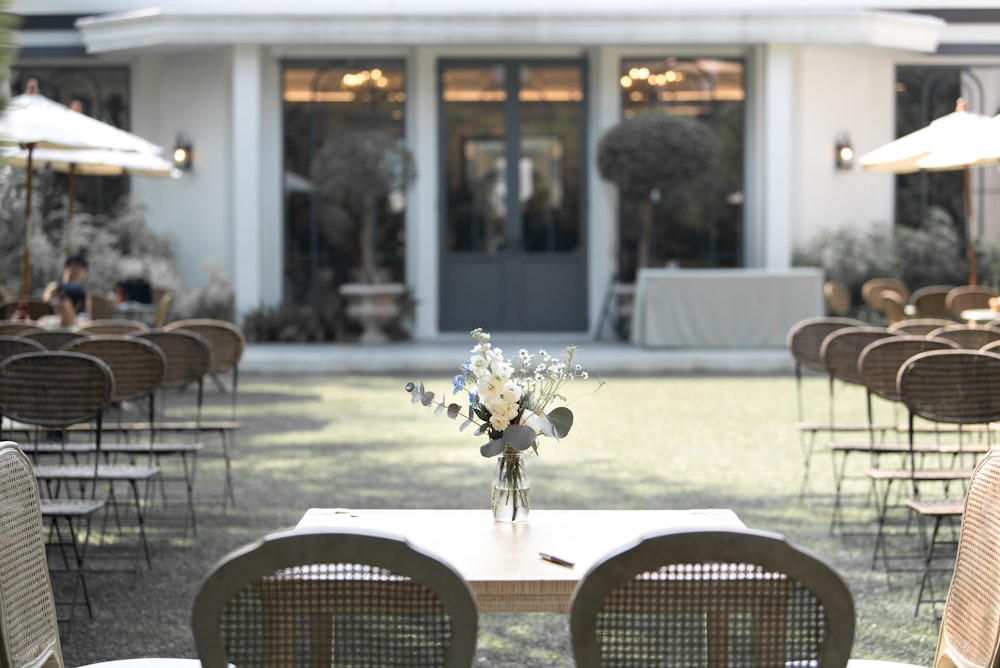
pixel 111 472
pixel 112 448
pixel 170 425
pixel 919 475
pixel 893 448
pixel 937 507
pixel 70 507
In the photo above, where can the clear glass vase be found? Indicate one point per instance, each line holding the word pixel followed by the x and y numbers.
pixel 511 496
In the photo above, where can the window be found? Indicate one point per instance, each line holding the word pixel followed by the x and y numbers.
pixel 690 227
pixel 321 100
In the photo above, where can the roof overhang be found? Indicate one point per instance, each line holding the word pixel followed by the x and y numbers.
pixel 515 22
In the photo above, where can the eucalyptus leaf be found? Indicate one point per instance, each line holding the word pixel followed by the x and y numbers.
pixel 427 398
pixel 519 437
pixel 491 449
pixel 438 409
pixel 454 410
pixel 562 419
pixel 465 425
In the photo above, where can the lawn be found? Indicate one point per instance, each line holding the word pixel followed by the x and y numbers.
pixel 639 442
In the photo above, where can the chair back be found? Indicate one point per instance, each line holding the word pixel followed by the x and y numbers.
pixel 364 598
pixel 838 299
pixel 842 349
pixel 970 624
pixel 136 364
pixel 929 301
pixel 18 327
pixel 893 306
pixel 163 304
pixel 919 326
pixel 29 632
pixel 971 337
pixel 55 339
pixel 806 337
pixel 225 339
pixel 966 297
pixel 113 326
pixel 738 597
pixel 54 389
pixel 952 386
pixel 15 345
pixel 188 355
pixel 100 307
pixel 871 290
pixel 881 360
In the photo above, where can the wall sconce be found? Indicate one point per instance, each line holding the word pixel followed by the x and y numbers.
pixel 844 156
pixel 182 152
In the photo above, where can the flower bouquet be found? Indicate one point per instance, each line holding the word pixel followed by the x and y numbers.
pixel 509 402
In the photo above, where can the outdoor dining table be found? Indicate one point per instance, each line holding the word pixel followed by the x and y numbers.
pixel 503 562
pixel 980 315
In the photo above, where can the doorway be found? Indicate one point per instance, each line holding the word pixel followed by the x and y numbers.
pixel 512 168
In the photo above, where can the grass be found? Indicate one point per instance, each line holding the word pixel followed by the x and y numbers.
pixel 357 441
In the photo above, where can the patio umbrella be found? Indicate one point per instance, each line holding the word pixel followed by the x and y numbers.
pixel 32 121
pixel 959 140
pixel 89 162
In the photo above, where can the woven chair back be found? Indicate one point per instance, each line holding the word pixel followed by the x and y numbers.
pixel 695 597
pixel 929 301
pixel 806 336
pixel 893 306
pixel 55 339
pixel 54 389
pixel 36 309
pixel 366 599
pixel 28 627
pixel 965 297
pixel 17 327
pixel 188 355
pixel 15 345
pixel 970 337
pixel 136 364
pixel 838 299
pixel 100 307
pixel 842 349
pixel 919 326
pixel 113 327
pixel 952 386
pixel 872 289
pixel 224 338
pixel 970 624
pixel 881 360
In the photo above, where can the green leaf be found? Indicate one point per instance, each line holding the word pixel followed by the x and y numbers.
pixel 516 436
pixel 562 420
pixel 491 449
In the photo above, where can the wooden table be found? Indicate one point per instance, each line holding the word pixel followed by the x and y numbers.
pixel 501 561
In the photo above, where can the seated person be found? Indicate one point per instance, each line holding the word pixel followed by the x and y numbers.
pixel 68 301
pixel 74 271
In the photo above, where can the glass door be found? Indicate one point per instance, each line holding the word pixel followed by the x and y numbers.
pixel 512 163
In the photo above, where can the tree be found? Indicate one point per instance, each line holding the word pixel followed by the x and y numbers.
pixel 652 156
pixel 358 170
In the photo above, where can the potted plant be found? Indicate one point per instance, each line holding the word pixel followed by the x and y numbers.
pixel 653 157
pixel 362 171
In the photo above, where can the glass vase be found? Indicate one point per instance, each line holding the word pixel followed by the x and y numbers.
pixel 511 498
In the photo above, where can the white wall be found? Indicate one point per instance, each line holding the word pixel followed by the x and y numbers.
pixel 847 92
pixel 189 93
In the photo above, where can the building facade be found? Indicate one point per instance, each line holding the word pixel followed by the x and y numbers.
pixel 508 223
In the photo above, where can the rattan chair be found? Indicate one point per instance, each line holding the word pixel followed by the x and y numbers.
pixel 970 622
pixel 878 365
pixel 138 367
pixel 965 297
pixel 956 387
pixel 738 597
pixel 838 299
pixel 55 339
pixel 113 326
pixel 929 301
pixel 99 307
pixel 15 345
pixel 919 326
pixel 227 343
pixel 359 598
pixel 36 309
pixel 871 291
pixel 29 630
pixel 18 327
pixel 970 337
pixel 53 390
pixel 893 306
pixel 803 342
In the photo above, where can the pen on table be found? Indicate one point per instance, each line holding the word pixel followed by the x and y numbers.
pixel 555 560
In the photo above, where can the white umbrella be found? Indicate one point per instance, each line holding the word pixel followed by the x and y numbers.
pixel 958 140
pixel 90 162
pixel 33 121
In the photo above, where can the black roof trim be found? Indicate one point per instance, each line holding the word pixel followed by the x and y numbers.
pixel 49 21
pixel 963 15
pixel 52 52
pixel 969 49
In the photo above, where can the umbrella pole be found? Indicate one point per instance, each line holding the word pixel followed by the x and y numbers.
pixel 969 224
pixel 26 274
pixel 69 209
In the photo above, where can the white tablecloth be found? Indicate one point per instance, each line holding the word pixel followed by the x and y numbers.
pixel 727 308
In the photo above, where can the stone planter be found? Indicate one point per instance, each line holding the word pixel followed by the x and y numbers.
pixel 373 305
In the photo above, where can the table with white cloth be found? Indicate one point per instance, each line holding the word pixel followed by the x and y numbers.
pixel 723 308
pixel 502 562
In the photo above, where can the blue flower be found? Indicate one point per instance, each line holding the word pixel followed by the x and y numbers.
pixel 458 383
